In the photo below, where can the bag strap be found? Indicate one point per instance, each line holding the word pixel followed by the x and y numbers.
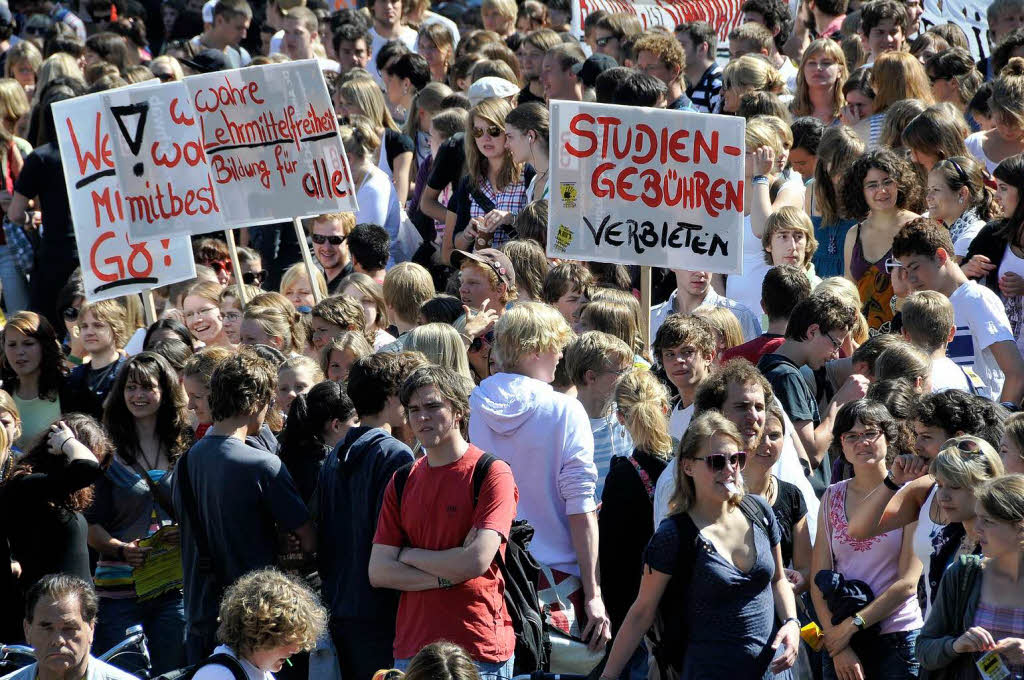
pixel 158 494
pixel 401 477
pixel 480 470
pixel 204 562
pixel 226 661
pixel 482 200
pixel 644 477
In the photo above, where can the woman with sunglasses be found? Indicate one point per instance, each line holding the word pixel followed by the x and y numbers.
pixel 493 189
pixel 980 607
pixel 737 608
pixel 864 433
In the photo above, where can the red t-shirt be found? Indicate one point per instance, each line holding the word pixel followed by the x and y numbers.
pixel 753 350
pixel 437 513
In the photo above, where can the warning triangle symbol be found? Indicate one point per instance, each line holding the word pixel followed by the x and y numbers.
pixel 123 116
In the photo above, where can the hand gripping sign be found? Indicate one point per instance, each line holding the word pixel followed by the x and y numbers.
pixel 646 187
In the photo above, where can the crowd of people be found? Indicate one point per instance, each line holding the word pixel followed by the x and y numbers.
pixel 443 452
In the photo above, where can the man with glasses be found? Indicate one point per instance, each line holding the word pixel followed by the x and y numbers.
pixel 329 232
pixel 612 31
pixel 595 361
pixel 817 329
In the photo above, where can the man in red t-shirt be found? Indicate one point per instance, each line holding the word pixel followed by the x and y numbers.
pixel 436 546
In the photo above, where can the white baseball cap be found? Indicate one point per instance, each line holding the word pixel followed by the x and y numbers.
pixel 208 11
pixel 490 86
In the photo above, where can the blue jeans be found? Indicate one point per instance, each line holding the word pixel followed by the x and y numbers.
pixel 15 285
pixel 499 670
pixel 883 657
pixel 162 619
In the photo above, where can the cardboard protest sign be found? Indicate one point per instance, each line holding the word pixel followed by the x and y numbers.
pixel 162 167
pixel 270 136
pixel 646 187
pixel 113 263
pixel 724 15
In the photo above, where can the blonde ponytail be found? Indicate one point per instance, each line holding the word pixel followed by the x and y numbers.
pixel 643 403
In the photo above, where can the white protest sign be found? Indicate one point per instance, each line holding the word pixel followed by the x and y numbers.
pixel 970 15
pixel 113 263
pixel 724 15
pixel 271 138
pixel 646 187
pixel 162 169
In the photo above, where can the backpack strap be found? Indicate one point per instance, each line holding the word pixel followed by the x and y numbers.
pixel 204 562
pixel 480 470
pixel 226 661
pixel 755 512
pixel 401 477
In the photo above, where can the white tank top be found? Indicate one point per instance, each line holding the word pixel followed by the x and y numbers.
pixel 924 534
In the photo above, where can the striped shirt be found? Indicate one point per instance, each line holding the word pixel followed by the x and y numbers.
pixel 705 95
pixel 610 439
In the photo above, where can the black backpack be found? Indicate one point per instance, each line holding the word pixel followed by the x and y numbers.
pixel 225 660
pixel 669 644
pixel 521 573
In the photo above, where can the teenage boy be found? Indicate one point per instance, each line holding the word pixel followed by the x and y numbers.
pixel 406 287
pixel 349 497
pixel 302 37
pixel 231 19
pixel 983 338
pixel 703 73
pixel 333 316
pixel 485 275
pixel 370 248
pixel 557 75
pixel 661 56
pixel 328 234
pixel 685 349
pixel 531 57
pixel 387 25
pixel 564 287
pixel 437 543
pixel 774 15
pixel 783 287
pixel 232 499
pixel 928 325
pixel 693 290
pixel 545 437
pixel 883 27
pixel 817 329
pixel 595 361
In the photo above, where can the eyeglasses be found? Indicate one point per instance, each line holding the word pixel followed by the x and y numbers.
pixel 835 343
pixel 490 131
pixel 601 42
pixel 716 461
pixel 321 239
pixel 70 314
pixel 854 438
pixel 891 264
pixel 205 311
pixel 254 278
pixel 232 316
pixel 221 266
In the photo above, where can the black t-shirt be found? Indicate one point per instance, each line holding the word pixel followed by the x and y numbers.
pixel 789 509
pixel 526 96
pixel 449 163
pixel 395 144
pixel 790 387
pixel 42 177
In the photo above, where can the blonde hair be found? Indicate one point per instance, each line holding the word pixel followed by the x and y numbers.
pixel 847 291
pixel 365 94
pixel 753 72
pixel 442 345
pixel 642 401
pixel 232 291
pixel 760 132
pixel 367 286
pixel 406 287
pixel 595 351
pixel 350 341
pixel 1014 429
pixel 789 218
pixel 57 65
pixel 724 322
pixel 265 609
pixel 202 363
pixel 966 469
pixel 112 313
pixel 7 404
pixel 347 221
pixel 278 324
pixel 493 111
pixel 531 265
pixel 359 138
pixel 1003 498
pixel 207 290
pixel 702 428
pixel 13 100
pixel 896 76
pixel 525 329
pixel 296 272
pixel 903 360
pixel 23 51
pixel 506 8
pixel 802 105
pixel 294 363
pixel 614 318
pixel 173 64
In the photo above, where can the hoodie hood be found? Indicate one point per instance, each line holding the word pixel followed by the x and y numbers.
pixel 506 400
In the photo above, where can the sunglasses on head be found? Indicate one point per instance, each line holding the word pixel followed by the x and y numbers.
pixel 253 278
pixel 70 314
pixel 891 264
pixel 490 131
pixel 321 239
pixel 965 445
pixel 716 461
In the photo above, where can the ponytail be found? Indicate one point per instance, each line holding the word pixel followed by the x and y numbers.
pixel 643 402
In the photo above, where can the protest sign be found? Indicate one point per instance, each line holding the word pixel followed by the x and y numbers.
pixel 270 136
pixel 970 15
pixel 113 263
pixel 724 15
pixel 162 168
pixel 646 187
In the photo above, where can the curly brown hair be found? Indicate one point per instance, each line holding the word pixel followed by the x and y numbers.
pixel 852 188
pixel 265 609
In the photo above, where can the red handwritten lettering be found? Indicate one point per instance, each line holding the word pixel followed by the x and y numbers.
pixel 179 118
pixel 100 157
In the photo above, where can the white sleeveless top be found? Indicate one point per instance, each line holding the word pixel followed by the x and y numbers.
pixel 924 534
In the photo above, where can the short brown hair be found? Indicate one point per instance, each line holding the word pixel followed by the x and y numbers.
pixel 565 278
pixel 407 286
pixel 341 311
pixel 241 385
pixel 927 318
pixel 683 329
pixel 594 351
pixel 711 393
pixel 828 311
pixel 452 386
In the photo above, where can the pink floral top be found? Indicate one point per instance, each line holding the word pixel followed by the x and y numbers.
pixel 872 560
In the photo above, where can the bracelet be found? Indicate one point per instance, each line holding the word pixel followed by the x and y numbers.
pixel 760 179
pixel 890 483
pixel 793 619
pixel 62 444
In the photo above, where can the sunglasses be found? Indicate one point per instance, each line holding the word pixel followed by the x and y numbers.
pixel 965 445
pixel 490 131
pixel 716 461
pixel 70 314
pixel 480 340
pixel 321 239
pixel 221 266
pixel 891 264
pixel 601 42
pixel 164 77
pixel 254 278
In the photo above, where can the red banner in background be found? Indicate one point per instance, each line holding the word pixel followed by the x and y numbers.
pixel 724 15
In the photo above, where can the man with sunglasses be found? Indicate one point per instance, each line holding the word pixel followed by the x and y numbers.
pixel 329 232
pixel 817 329
pixel 251 263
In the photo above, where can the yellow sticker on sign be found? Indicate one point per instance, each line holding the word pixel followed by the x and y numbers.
pixel 563 238
pixel 569 193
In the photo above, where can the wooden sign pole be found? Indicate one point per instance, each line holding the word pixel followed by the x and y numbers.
pixel 307 257
pixel 645 305
pixel 236 266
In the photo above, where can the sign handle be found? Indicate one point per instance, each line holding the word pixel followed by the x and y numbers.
pixel 307 257
pixel 236 267
pixel 645 305
pixel 149 306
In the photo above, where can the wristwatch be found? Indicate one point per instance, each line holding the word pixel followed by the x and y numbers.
pixel 859 621
pixel 890 482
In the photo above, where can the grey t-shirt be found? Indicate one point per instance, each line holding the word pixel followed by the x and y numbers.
pixel 243 495
pixel 123 503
